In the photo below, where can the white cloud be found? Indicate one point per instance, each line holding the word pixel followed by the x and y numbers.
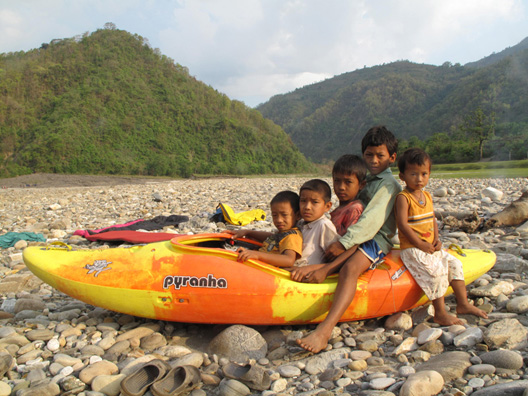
pixel 253 49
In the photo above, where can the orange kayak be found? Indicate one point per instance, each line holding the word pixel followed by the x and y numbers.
pixel 197 279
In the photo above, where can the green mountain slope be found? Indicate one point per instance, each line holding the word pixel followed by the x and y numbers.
pixel 107 103
pixel 329 118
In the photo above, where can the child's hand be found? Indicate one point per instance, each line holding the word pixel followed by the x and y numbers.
pixel 426 247
pixel 246 254
pixel 437 244
pixel 334 250
pixel 237 234
pixel 300 274
pixel 317 276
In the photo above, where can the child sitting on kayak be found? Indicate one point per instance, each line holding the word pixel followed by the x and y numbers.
pixel 365 243
pixel 317 230
pixel 433 269
pixel 280 249
pixel 349 177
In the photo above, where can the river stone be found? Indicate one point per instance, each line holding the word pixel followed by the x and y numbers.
pixel 279 385
pixel 381 383
pixel 138 332
pixel 324 360
pixel 108 384
pixel 14 339
pixel 503 358
pixel 423 383
pixel 482 369
pixel 5 389
pixel 507 334
pixel 518 304
pixel 407 345
pixel 239 343
pixel 399 322
pixel 451 365
pixel 173 351
pixel 195 359
pixel 512 388
pixel 153 341
pixel 492 193
pixel 72 384
pixel 103 367
pixel 233 387
pixel 51 389
pixel 429 335
pixel 66 360
pixel 468 338
pixel 30 304
pixel 493 289
pixel 440 192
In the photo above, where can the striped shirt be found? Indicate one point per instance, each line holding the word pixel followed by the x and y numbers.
pixel 420 218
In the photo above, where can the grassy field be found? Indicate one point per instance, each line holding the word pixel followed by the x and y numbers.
pixel 482 170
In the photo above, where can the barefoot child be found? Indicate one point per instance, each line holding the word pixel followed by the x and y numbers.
pixel 284 247
pixel 369 239
pixel 433 268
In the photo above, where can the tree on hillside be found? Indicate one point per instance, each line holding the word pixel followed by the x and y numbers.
pixel 479 126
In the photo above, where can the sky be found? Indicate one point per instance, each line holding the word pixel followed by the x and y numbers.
pixel 254 49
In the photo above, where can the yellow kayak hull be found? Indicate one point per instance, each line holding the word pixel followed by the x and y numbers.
pixel 194 279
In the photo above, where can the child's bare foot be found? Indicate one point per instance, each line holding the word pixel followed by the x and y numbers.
pixel 445 319
pixel 316 341
pixel 471 310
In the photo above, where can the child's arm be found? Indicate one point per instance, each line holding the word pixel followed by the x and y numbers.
pixel 284 260
pixel 256 235
pixel 334 250
pixel 374 216
pixel 317 273
pixel 401 210
pixel 437 243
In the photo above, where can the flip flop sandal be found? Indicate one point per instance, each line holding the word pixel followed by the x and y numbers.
pixel 179 381
pixel 253 376
pixel 137 383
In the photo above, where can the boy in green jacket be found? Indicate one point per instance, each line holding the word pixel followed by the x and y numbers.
pixel 366 242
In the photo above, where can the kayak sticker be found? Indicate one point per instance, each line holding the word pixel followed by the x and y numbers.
pixel 97 267
pixel 398 273
pixel 193 281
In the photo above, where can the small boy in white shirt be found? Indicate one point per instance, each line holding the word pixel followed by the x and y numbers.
pixel 318 231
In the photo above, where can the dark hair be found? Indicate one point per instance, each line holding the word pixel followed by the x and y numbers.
pixel 319 186
pixel 378 135
pixel 413 156
pixel 349 164
pixel 287 196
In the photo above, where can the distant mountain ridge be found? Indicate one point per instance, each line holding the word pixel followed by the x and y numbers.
pixel 329 118
pixel 107 103
pixel 494 58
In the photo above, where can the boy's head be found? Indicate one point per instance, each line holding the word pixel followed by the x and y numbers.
pixel 349 177
pixel 414 156
pixel 415 168
pixel 379 148
pixel 315 199
pixel 285 210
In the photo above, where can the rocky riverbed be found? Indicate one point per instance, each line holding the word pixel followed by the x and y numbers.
pixel 52 344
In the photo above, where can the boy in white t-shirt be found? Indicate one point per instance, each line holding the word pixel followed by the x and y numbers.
pixel 318 231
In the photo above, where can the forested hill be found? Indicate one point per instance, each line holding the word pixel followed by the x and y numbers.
pixel 426 105
pixel 107 103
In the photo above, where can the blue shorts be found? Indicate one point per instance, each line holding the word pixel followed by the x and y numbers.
pixel 373 252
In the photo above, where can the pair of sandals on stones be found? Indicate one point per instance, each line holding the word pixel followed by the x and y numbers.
pixel 162 378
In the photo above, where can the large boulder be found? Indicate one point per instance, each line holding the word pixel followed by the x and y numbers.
pixel 239 343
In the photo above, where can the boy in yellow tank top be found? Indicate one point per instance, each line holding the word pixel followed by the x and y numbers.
pixel 433 268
